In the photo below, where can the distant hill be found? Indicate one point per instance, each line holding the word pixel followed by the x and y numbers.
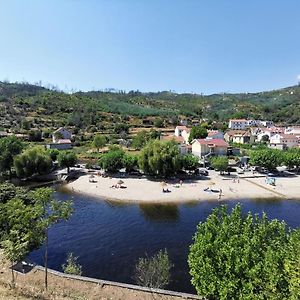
pixel 53 108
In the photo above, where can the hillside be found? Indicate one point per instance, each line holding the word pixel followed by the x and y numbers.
pixel 40 107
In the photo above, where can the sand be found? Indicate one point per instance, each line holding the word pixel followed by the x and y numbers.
pixel 145 190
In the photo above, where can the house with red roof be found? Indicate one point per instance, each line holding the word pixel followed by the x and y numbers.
pixel 202 147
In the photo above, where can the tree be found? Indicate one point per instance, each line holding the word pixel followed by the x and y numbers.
pixel 99 141
pixel 19 229
pixel 112 161
pixel 51 212
pixel 292 264
pixel 130 162
pixel 67 159
pixel 291 158
pixel 160 158
pixel 35 135
pixel 190 162
pixel 140 139
pixel 121 128
pixel 53 153
pixel 15 248
pixel 72 266
pixel 220 163
pixel 9 147
pixel 33 161
pixel 197 132
pixel 154 272
pixel 158 122
pixel 236 256
pixel 268 158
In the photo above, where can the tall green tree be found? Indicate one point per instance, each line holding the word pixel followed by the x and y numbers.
pixel 130 162
pixel 236 256
pixel 33 161
pixel 267 158
pixel 197 132
pixel 51 212
pixel 112 161
pixel 220 163
pixel 190 162
pixel 9 147
pixel 67 159
pixel 160 158
pixel 99 141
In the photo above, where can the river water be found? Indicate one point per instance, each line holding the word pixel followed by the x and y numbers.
pixel 109 237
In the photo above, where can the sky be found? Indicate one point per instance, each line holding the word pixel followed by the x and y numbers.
pixel 199 46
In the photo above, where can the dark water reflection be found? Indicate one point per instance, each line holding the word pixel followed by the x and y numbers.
pixel 109 237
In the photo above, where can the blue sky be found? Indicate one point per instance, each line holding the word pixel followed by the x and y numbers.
pixel 187 46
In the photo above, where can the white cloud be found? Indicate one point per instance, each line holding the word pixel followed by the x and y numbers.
pixel 298 77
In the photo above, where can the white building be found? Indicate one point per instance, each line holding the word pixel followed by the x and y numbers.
pixel 295 130
pixel 179 129
pixel 61 134
pixel 238 124
pixel 202 147
pixel 215 134
pixel 284 141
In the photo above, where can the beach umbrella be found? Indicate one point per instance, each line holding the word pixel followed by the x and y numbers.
pixel 163 183
pixel 120 182
pixel 211 183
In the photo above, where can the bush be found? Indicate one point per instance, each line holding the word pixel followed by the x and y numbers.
pixel 153 272
pixel 244 257
pixel 72 266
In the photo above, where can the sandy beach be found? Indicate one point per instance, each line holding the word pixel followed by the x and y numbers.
pixel 144 190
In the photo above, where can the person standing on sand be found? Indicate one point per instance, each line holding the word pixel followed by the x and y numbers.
pixel 220 194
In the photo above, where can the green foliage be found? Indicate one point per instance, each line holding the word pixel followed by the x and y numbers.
pixel 99 141
pixel 33 161
pixel 35 135
pixel 268 158
pixel 190 162
pixel 130 162
pixel 291 158
pixel 244 257
pixel 220 163
pixel 140 139
pixel 9 147
pixel 51 211
pixel 143 137
pixel 158 122
pixel 72 266
pixel 154 272
pixel 292 264
pixel 53 153
pixel 121 128
pixel 160 158
pixel 67 159
pixel 112 161
pixel 197 132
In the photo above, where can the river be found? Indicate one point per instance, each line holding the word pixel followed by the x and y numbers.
pixel 109 237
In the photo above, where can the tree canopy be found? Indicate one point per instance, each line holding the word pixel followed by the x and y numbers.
pixel 67 159
pixel 220 163
pixel 267 158
pixel 236 256
pixel 33 161
pixel 197 132
pixel 9 147
pixel 160 158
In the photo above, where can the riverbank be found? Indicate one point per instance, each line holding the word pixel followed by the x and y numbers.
pixel 213 187
pixel 31 286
